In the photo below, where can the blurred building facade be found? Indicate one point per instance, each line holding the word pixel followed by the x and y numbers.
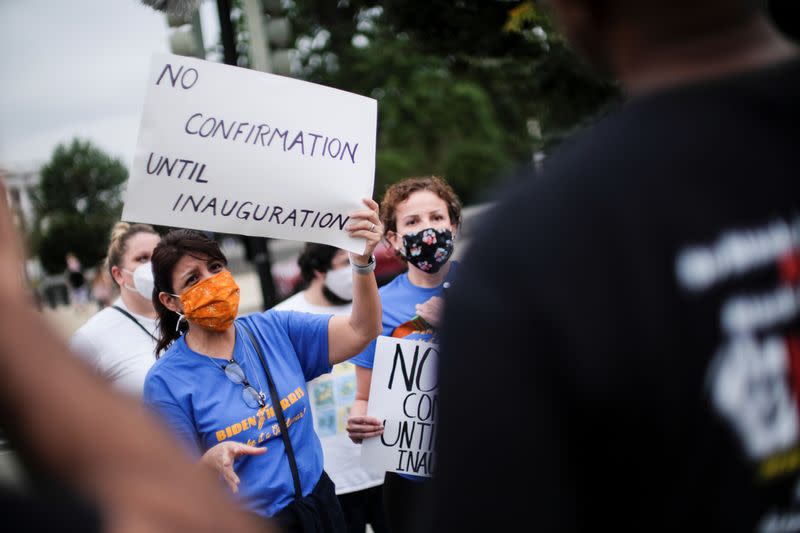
pixel 19 185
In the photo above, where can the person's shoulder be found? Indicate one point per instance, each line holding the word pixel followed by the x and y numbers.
pixel 100 323
pixel 534 195
pixel 292 303
pixel 168 373
pixel 298 303
pixel 607 150
pixel 598 171
pixel 666 134
pixel 170 358
pixel 399 283
pixel 289 301
pixel 539 224
pixel 265 321
pixel 272 315
pixel 632 136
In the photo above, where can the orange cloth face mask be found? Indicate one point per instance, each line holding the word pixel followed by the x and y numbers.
pixel 213 303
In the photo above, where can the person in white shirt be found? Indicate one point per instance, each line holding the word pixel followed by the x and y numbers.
pixel 326 273
pixel 120 340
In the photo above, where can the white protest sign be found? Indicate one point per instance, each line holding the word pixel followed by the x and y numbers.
pixel 403 394
pixel 232 150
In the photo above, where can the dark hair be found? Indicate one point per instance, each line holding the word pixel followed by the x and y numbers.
pixel 173 246
pixel 315 257
pixel 400 191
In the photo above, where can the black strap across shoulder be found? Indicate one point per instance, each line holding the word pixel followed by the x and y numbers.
pixel 276 403
pixel 127 314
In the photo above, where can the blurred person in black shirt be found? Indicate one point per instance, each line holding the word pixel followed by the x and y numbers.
pixel 639 301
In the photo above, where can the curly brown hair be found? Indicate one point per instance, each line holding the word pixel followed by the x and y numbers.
pixel 400 191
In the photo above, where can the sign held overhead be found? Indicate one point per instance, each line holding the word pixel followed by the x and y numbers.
pixel 232 150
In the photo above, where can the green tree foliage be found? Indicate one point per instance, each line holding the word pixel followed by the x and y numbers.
pixel 466 89
pixel 77 202
pixel 433 123
pixel 539 89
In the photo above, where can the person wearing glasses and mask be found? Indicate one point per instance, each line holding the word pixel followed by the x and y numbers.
pixel 329 290
pixel 234 389
pixel 120 340
pixel 421 216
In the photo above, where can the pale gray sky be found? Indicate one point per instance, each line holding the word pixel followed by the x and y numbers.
pixel 76 68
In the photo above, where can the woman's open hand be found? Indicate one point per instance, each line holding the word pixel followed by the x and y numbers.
pixel 222 456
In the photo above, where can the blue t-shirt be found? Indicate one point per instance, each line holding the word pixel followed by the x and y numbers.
pixel 203 407
pixel 399 299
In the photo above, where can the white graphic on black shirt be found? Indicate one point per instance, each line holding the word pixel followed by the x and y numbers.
pixel 736 253
pixel 754 376
pixel 750 388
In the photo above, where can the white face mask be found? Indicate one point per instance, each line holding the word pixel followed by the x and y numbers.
pixel 340 282
pixel 142 280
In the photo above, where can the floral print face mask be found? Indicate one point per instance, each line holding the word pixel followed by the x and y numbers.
pixel 429 249
pixel 213 303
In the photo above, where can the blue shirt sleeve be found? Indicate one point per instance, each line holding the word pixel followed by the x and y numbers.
pixel 366 358
pixel 160 400
pixel 308 333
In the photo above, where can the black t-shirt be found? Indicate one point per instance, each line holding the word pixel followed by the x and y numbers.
pixel 623 341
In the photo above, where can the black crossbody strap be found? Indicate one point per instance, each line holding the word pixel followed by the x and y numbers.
pixel 276 403
pixel 127 314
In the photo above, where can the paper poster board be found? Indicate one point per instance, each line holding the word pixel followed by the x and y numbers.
pixel 233 150
pixel 403 393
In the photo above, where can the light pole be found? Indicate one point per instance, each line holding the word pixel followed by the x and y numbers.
pixel 257 247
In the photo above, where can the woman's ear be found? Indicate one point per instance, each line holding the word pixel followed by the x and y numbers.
pixel 116 273
pixel 393 239
pixel 454 230
pixel 169 301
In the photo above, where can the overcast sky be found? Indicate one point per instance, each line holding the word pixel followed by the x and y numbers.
pixel 76 68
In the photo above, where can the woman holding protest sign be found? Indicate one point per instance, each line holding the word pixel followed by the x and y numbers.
pixel 421 217
pixel 234 390
pixel 120 340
